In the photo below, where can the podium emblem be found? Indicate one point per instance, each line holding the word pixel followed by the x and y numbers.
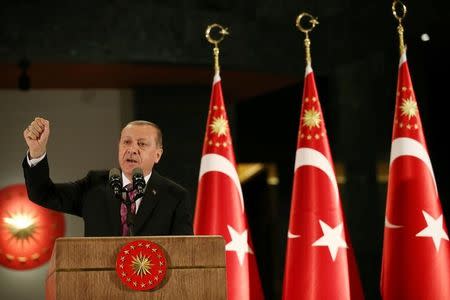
pixel 141 265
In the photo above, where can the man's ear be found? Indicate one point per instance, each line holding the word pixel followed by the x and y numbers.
pixel 159 153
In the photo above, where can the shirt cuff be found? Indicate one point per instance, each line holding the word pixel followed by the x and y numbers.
pixel 34 161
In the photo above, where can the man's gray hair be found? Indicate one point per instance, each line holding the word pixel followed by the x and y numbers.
pixel 154 125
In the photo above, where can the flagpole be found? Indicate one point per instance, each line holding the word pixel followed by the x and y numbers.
pixel 313 22
pixel 314 215
pixel 399 15
pixel 215 41
pixel 219 209
pixel 412 250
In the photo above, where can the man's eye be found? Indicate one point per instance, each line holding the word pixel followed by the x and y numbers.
pixel 142 144
pixel 126 142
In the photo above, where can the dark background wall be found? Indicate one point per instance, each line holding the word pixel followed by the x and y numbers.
pixel 158 49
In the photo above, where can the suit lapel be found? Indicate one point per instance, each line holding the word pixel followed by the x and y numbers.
pixel 149 201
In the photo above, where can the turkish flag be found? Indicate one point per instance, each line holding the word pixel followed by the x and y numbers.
pixel 320 263
pixel 416 260
pixel 220 204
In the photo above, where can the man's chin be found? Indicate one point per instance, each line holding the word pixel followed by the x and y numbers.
pixel 128 168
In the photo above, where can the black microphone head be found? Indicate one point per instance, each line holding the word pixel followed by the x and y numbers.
pixel 115 181
pixel 114 172
pixel 137 172
pixel 138 180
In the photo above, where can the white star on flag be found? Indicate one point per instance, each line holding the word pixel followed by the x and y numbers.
pixel 332 238
pixel 434 229
pixel 238 244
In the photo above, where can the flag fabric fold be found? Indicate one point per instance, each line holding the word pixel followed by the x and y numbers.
pixel 416 253
pixel 320 263
pixel 220 204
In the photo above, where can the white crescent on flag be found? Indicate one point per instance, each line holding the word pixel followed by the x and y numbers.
pixel 292 236
pixel 409 147
pixel 312 157
pixel 215 162
pixel 390 225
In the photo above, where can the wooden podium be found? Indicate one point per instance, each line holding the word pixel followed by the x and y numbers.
pixel 85 268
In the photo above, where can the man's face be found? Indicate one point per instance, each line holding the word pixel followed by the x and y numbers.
pixel 138 148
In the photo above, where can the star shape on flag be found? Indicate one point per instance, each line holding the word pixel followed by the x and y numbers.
pixel 219 126
pixel 434 229
pixel 311 118
pixel 238 244
pixel 409 108
pixel 332 238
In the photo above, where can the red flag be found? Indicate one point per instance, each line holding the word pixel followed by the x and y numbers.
pixel 320 262
pixel 416 260
pixel 220 204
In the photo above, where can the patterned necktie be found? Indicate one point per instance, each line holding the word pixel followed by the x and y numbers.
pixel 123 208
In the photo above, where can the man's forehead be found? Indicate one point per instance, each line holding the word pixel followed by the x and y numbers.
pixel 138 128
pixel 141 132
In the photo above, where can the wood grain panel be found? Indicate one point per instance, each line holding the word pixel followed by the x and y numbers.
pixel 84 268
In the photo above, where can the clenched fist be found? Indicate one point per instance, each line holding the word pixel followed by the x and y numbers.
pixel 36 136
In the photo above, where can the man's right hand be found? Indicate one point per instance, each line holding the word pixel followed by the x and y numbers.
pixel 36 136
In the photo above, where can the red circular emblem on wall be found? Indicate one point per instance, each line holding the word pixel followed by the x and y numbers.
pixel 27 231
pixel 141 265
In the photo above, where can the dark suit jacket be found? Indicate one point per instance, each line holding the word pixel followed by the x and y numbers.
pixel 165 208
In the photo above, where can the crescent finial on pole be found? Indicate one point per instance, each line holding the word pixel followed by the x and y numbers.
pixel 215 41
pixel 399 12
pixel 312 23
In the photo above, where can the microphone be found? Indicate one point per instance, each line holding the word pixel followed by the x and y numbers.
pixel 138 182
pixel 115 182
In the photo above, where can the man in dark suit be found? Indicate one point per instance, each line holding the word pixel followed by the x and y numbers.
pixel 164 209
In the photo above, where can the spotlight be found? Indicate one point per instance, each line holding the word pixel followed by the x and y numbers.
pixel 425 37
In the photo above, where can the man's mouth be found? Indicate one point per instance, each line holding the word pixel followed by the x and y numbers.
pixel 130 160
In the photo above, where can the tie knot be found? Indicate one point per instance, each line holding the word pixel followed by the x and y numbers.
pixel 128 187
pixel 130 191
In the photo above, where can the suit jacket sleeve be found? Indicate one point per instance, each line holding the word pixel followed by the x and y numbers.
pixel 65 197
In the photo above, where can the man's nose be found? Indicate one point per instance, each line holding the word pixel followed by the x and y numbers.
pixel 132 149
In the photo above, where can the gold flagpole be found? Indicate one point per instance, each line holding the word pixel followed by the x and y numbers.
pixel 399 12
pixel 313 22
pixel 215 41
